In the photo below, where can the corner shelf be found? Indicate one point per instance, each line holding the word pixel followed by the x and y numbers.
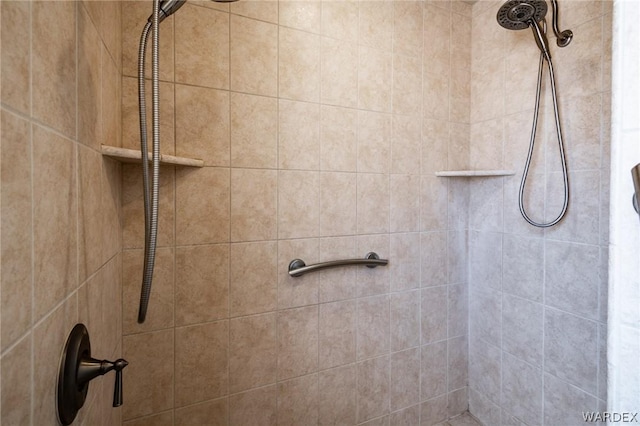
pixel 125 155
pixel 475 173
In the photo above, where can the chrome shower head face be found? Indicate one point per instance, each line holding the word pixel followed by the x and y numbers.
pixel 517 14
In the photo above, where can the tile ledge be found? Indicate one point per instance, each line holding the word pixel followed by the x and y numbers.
pixel 474 173
pixel 126 155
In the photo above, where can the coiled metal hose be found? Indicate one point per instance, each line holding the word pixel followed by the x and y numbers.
pixel 531 145
pixel 151 197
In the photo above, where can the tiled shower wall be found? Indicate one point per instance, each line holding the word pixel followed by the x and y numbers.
pixel 321 125
pixel 61 245
pixel 538 298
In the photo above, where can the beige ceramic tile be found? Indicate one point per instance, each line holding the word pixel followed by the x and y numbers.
pixel 49 336
pixel 458 403
pixel 149 378
pixel 252 352
pixel 459 141
pixel 298 135
pixel 90 226
pixel 436 23
pixel 337 334
pixel 16 278
pixel 374 142
pixel 373 388
pixel 214 413
pixel 298 64
pixel 337 204
pixel 254 131
pixel 374 77
pixel 298 199
pixel 435 101
pixel 110 26
pixel 263 10
pixel 434 198
pixel 161 305
pixel 202 362
pixel 433 377
pixel 435 143
pixel 406 145
pixel 202 200
pixel 89 81
pixel 487 89
pixel 337 396
pixel 405 320
pixel 202 284
pixel 54 48
pixel 460 65
pixel 111 208
pixel 202 47
pixel 405 203
pixel 131 116
pixel 488 146
pixel 405 379
pixel 581 129
pixel 111 133
pixel 339 83
pixel 373 326
pixel 492 38
pixel 253 275
pixel 404 249
pixel 133 207
pixel 162 419
pixel 253 204
pixel 338 139
pixel 434 314
pixel 434 410
pixel 16 383
pixel 408 28
pixel 254 56
pixel 338 18
pixel 302 15
pixel 519 81
pixel 202 124
pixel 298 401
pixel 373 203
pixel 407 416
pixel 16 65
pixel 297 342
pixel 90 311
pixel 297 291
pixel 460 95
pixel 407 85
pixel 376 25
pixel 54 219
pixel 134 18
pixel 256 407
pixel 112 305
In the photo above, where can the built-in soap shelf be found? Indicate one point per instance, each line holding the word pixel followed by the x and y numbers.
pixel 475 173
pixel 126 155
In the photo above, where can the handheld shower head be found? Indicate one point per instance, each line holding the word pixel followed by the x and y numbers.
pixel 521 14
pixel 167 8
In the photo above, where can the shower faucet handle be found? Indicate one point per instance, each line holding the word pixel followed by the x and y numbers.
pixel 90 368
pixel 77 369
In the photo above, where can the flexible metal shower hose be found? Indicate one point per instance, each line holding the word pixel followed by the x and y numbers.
pixel 531 145
pixel 150 197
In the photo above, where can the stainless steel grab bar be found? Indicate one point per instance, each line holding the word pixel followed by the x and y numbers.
pixel 297 267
